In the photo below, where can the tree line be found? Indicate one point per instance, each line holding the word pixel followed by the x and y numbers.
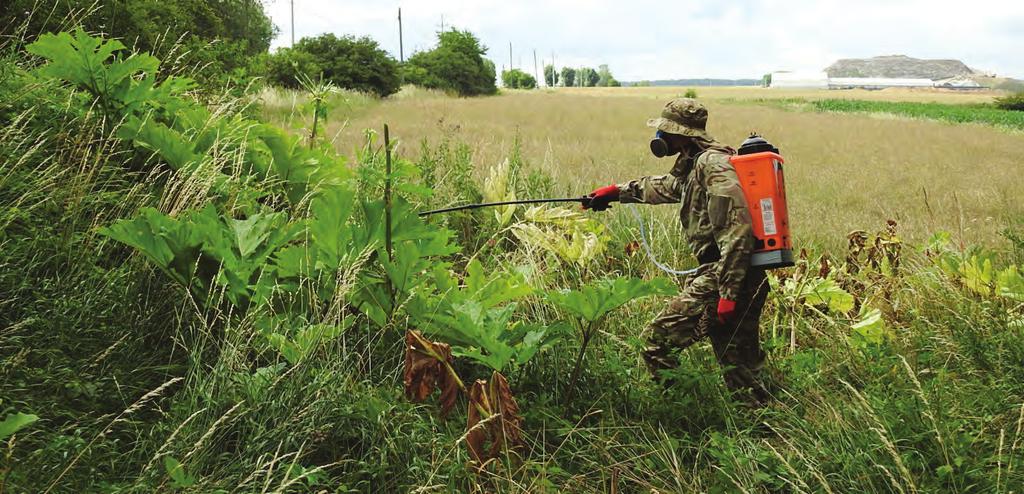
pixel 580 77
pixel 226 43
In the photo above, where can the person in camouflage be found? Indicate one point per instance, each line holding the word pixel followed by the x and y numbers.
pixel 724 298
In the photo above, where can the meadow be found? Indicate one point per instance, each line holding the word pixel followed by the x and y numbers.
pixel 845 172
pixel 197 296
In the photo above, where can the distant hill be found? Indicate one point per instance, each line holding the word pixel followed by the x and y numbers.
pixel 696 82
pixel 900 66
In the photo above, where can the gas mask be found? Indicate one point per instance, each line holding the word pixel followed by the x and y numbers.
pixel 660 147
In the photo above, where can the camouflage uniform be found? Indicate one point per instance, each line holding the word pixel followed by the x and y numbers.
pixel 714 215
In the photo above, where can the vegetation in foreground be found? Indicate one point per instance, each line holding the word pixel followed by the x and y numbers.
pixel 256 341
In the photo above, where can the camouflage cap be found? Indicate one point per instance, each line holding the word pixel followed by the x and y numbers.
pixel 682 116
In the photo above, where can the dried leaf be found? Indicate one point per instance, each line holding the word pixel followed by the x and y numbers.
pixel 476 433
pixel 493 404
pixel 506 430
pixel 447 382
pixel 424 368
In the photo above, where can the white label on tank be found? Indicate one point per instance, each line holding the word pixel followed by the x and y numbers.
pixel 768 216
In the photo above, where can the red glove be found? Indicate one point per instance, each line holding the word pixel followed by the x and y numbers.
pixel 600 198
pixel 726 309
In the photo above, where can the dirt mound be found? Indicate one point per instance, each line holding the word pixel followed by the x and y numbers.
pixel 899 66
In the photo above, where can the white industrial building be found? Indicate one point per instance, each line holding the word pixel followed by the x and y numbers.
pixel 821 80
pixel 801 80
pixel 875 82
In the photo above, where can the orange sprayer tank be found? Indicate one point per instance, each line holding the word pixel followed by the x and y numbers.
pixel 759 168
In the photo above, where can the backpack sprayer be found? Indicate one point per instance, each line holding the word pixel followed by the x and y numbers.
pixel 758 165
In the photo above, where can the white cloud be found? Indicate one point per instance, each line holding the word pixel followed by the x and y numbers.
pixel 642 39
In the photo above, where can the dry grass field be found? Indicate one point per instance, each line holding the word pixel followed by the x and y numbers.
pixel 845 171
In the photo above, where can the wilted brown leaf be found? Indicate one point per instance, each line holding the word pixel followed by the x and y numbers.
pixel 825 268
pixel 499 431
pixel 447 382
pixel 505 430
pixel 425 367
pixel 632 247
pixel 479 406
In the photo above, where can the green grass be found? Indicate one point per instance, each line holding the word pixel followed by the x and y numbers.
pixel 981 113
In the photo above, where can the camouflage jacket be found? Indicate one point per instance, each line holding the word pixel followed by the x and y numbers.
pixel 713 212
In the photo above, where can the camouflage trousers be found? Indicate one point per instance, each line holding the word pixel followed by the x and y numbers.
pixel 692 315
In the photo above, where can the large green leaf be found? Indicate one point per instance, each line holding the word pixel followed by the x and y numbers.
pixel 479 318
pixel 869 329
pixel 978 274
pixel 816 292
pixel 594 301
pixel 15 422
pixel 169 144
pixel 90 62
pixel 329 228
pixel 1010 284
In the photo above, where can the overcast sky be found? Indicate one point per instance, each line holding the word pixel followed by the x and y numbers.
pixel 641 39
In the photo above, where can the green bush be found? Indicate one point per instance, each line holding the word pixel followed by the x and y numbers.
pixel 456 65
pixel 690 93
pixel 1012 102
pixel 352 63
pixel 517 79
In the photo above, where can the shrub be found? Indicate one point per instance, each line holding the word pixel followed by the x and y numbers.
pixel 1012 102
pixel 285 67
pixel 222 38
pixel 690 93
pixel 517 79
pixel 456 65
pixel 352 63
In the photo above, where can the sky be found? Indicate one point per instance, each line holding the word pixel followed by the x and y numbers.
pixel 647 40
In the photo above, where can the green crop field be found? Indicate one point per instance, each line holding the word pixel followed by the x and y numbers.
pixel 232 291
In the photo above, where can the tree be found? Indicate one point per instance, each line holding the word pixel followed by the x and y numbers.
pixel 588 77
pixel 348 62
pixel 568 76
pixel 456 65
pixel 605 78
pixel 517 79
pixel 225 36
pixel 550 76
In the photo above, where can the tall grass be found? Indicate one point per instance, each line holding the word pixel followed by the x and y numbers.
pixel 844 170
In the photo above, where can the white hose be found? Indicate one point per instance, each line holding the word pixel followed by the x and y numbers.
pixel 650 252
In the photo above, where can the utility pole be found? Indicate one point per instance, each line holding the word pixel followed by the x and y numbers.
pixel 510 66
pixel 293 22
pixel 442 23
pixel 554 68
pixel 401 51
pixel 535 73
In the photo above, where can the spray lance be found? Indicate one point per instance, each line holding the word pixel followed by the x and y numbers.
pixel 584 201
